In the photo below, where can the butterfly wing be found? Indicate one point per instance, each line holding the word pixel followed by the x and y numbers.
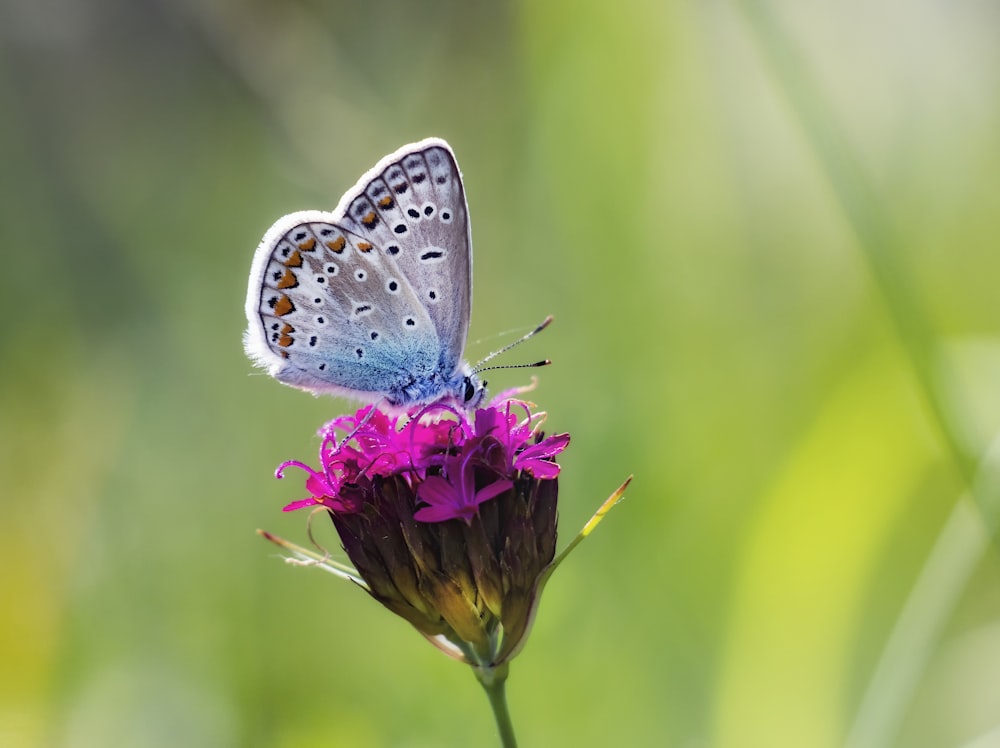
pixel 412 204
pixel 369 300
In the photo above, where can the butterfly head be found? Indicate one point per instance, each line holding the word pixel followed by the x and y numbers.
pixel 473 391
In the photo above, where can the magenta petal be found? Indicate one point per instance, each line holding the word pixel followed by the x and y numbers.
pixel 318 485
pixel 541 469
pixel 299 504
pixel 535 459
pixel 488 420
pixel 493 490
pixel 546 448
pixel 436 491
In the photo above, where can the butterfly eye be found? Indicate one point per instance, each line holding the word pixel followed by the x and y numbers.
pixel 470 389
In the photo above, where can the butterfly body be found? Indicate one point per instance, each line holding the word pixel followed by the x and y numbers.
pixel 372 300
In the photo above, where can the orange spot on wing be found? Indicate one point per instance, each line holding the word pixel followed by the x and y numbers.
pixel 288 280
pixel 338 244
pixel 370 220
pixel 308 245
pixel 283 306
pixel 364 247
pixel 294 260
pixel 386 202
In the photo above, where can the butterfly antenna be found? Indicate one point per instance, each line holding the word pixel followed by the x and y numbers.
pixel 544 362
pixel 479 367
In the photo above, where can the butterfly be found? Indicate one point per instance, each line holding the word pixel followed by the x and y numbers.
pixel 372 300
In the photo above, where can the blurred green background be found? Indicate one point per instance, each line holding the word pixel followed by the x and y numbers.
pixel 768 234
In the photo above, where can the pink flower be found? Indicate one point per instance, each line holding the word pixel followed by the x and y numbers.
pixel 452 464
pixel 449 518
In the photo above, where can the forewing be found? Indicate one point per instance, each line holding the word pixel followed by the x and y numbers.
pixel 330 311
pixel 412 205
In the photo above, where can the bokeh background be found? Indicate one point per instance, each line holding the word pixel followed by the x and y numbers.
pixel 768 232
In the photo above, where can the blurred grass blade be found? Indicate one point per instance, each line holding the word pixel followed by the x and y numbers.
pixel 956 554
pixel 968 531
pixel 877 237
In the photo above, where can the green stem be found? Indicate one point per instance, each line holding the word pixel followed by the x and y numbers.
pixel 494 682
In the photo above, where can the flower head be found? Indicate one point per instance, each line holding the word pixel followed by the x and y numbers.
pixel 450 519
